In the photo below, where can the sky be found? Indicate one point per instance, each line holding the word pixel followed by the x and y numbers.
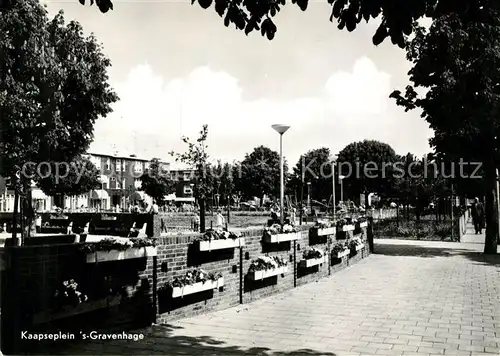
pixel 177 67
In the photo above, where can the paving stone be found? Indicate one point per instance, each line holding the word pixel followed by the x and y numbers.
pixel 393 303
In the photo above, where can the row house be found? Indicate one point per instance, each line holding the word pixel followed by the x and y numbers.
pixel 120 186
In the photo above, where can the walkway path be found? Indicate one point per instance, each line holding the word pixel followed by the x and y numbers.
pixel 470 235
pixel 420 298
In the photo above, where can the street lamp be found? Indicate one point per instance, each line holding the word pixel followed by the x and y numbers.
pixel 333 160
pixel 309 196
pixel 341 178
pixel 281 129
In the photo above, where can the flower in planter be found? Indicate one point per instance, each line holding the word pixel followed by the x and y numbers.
pixel 69 294
pixel 264 263
pixel 211 234
pixel 355 242
pixel 322 224
pixel 121 244
pixel 362 219
pixel 276 229
pixel 313 253
pixel 192 277
pixel 341 222
pixel 339 248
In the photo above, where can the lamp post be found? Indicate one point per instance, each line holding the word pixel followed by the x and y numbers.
pixel 302 194
pixel 341 178
pixel 281 129
pixel 333 159
pixel 309 195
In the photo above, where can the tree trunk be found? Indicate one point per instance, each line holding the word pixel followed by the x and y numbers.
pixel 366 200
pixel 202 215
pixel 491 207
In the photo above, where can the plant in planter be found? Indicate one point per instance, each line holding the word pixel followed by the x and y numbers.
pixel 339 250
pixel 356 244
pixel 323 224
pixel 192 282
pixel 122 244
pixel 341 223
pixel 191 277
pixel 265 263
pixel 362 219
pixel 277 229
pixel 211 234
pixel 313 254
pixel 68 294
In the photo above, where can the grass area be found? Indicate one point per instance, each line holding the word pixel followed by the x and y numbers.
pixel 415 230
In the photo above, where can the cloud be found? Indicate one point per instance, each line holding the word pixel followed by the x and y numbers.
pixel 153 114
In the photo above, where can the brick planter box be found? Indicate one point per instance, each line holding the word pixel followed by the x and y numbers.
pixel 325 231
pixel 116 255
pixel 273 239
pixel 312 262
pixel 339 255
pixel 197 288
pixel 221 244
pixel 68 311
pixel 258 275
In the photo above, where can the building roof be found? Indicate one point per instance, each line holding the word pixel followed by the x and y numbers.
pixel 122 156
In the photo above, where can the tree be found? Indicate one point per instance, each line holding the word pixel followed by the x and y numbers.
pixel 315 167
pixel 397 16
pixel 260 173
pixel 461 104
pixel 53 86
pixel 224 180
pixel 197 157
pixel 155 182
pixel 367 167
pixel 78 177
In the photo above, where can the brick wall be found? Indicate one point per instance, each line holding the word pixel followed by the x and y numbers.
pixel 34 272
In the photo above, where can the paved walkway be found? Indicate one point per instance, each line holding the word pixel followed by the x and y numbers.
pixel 470 235
pixel 412 298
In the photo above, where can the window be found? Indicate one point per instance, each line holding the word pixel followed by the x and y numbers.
pixel 118 165
pixel 96 161
pixel 124 166
pixel 137 167
pixel 124 182
pixel 108 164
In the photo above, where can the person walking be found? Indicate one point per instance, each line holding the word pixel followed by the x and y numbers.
pixel 219 221
pixel 196 221
pixel 478 216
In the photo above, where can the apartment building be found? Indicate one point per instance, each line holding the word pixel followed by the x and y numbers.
pixel 120 186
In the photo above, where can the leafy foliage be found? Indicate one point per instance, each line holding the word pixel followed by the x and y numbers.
pixel 78 177
pixel 155 182
pixel 53 87
pixel 191 277
pixel 197 157
pixel 265 263
pixel 314 167
pixel 109 244
pixel 367 166
pixel 397 16
pixel 456 60
pixel 260 173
